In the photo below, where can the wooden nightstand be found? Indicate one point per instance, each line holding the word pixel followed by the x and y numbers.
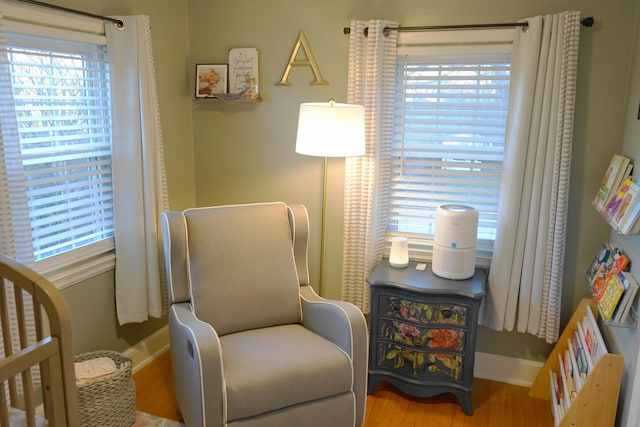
pixel 423 331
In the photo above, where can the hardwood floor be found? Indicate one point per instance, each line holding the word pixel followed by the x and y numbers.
pixel 495 404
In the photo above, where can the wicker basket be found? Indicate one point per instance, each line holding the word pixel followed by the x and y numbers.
pixel 108 401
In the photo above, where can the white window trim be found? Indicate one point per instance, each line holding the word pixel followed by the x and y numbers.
pixel 450 43
pixel 453 38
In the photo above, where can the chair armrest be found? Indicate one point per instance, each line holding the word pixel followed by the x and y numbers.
pixel 343 324
pixel 196 364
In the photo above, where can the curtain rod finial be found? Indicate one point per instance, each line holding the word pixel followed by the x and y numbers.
pixel 588 21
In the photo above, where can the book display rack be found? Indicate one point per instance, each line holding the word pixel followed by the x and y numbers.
pixel 611 284
pixel 581 379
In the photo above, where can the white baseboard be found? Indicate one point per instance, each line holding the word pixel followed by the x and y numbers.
pixel 148 349
pixel 508 370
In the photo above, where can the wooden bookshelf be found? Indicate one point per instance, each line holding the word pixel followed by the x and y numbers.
pixel 596 403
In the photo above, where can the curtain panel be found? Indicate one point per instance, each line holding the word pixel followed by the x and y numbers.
pixel 372 63
pixel 140 192
pixel 15 223
pixel 525 279
pixel 526 272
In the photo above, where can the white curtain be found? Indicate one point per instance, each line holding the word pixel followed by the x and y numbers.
pixel 140 192
pixel 15 223
pixel 372 61
pixel 525 279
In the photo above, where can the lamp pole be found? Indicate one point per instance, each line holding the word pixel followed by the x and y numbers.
pixel 322 226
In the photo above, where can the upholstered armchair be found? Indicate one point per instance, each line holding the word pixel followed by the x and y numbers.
pixel 251 343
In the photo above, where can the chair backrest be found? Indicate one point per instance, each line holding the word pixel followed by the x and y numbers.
pixel 241 272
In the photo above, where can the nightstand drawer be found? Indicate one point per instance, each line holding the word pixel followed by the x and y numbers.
pixel 424 365
pixel 421 338
pixel 422 312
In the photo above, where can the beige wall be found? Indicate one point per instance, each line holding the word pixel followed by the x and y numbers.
pixel 92 302
pixel 246 153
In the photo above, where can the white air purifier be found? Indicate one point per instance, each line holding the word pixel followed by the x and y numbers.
pixel 454 249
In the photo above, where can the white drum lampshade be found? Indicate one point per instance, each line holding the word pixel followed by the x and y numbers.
pixel 330 129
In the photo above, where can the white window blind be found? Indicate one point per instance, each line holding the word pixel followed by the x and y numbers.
pixel 62 101
pixel 448 141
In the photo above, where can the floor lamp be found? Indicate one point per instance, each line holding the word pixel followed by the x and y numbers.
pixel 329 129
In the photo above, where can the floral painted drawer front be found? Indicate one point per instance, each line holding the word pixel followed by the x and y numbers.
pixel 420 351
pixel 415 363
pixel 421 312
pixel 412 335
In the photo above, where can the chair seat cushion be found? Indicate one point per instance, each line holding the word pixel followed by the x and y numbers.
pixel 271 368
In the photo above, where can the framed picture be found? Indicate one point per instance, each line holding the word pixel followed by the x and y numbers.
pixel 211 79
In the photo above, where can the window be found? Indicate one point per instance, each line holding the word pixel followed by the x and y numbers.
pixel 60 82
pixel 448 138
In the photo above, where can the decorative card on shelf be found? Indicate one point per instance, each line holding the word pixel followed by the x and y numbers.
pixel 243 72
pixel 619 168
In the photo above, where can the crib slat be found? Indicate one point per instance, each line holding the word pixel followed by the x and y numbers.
pixel 4 410
pixel 7 335
pixel 25 358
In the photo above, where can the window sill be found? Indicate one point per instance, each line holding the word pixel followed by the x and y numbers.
pixel 70 275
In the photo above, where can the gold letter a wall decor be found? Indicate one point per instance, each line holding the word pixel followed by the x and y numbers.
pixel 310 62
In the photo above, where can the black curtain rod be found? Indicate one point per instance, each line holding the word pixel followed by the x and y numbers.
pixel 587 22
pixel 119 23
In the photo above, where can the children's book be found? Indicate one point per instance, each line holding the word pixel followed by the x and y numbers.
pixel 629 209
pixel 628 297
pixel 611 297
pixel 584 349
pixel 616 262
pixel 619 168
pixel 593 337
pixel 599 283
pixel 601 257
pixel 617 205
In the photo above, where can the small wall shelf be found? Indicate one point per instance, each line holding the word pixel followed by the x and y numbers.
pixel 632 318
pixel 229 98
